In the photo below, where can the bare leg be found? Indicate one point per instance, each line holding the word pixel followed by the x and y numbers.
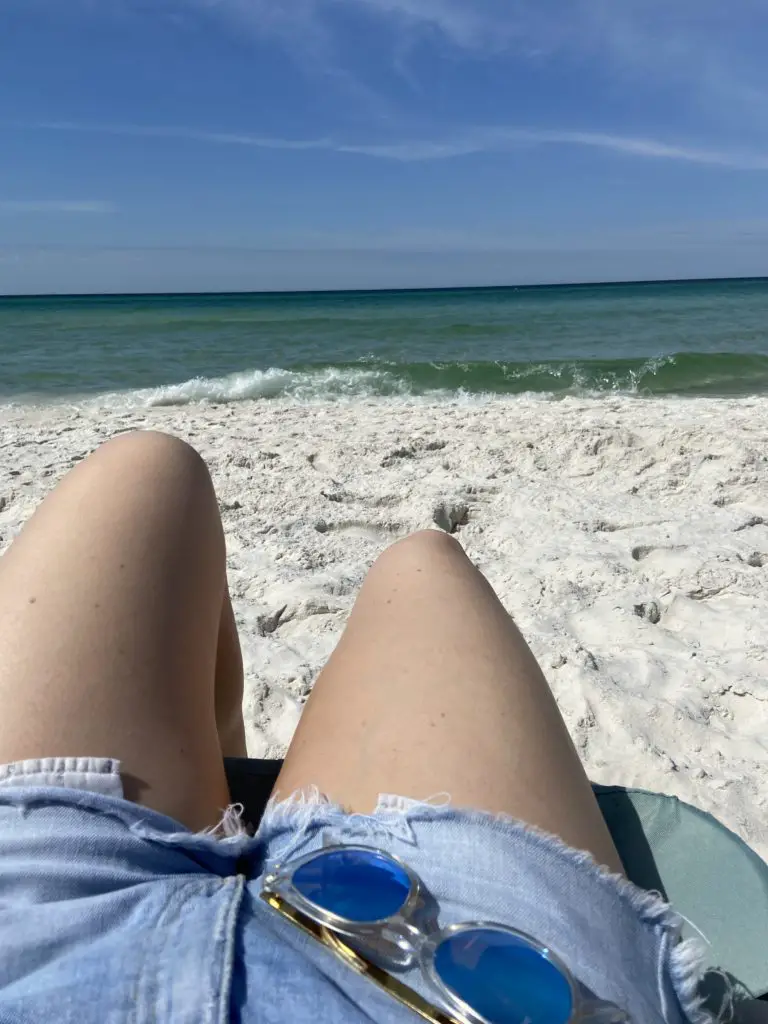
pixel 433 689
pixel 115 622
pixel 229 685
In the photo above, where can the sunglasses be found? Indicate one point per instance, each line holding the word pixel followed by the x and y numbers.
pixel 364 905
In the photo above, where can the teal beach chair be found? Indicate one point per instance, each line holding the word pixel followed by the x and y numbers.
pixel 709 875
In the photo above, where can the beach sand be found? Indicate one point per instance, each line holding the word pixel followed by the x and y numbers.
pixel 629 539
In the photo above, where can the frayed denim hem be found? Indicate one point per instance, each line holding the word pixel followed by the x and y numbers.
pixel 299 817
pixel 93 785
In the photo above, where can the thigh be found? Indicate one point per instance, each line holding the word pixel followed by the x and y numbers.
pixel 110 611
pixel 432 689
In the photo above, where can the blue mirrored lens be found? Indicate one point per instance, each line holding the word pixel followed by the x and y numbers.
pixel 503 978
pixel 359 885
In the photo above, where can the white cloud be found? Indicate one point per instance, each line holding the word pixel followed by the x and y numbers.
pixel 704 48
pixel 490 140
pixel 465 24
pixel 701 49
pixel 21 206
pixel 464 143
pixel 701 56
pixel 191 134
pixel 708 50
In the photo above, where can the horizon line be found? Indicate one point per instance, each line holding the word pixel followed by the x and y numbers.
pixel 379 291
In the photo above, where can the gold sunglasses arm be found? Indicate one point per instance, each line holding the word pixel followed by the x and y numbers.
pixel 395 988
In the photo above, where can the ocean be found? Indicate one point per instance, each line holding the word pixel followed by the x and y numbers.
pixel 644 339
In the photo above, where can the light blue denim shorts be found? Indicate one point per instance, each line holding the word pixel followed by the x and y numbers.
pixel 111 913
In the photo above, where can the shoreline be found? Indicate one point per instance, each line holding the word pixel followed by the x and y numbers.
pixel 628 537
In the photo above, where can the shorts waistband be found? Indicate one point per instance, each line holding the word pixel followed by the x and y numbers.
pixel 94 774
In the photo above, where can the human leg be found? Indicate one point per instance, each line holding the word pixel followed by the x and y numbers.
pixel 433 689
pixel 115 622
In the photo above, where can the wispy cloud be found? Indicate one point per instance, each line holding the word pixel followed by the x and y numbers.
pixel 314 25
pixel 190 134
pixel 463 143
pixel 489 140
pixel 701 57
pixel 89 206
pixel 484 24
pixel 702 49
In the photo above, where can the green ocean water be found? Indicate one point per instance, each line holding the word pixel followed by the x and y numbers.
pixel 645 339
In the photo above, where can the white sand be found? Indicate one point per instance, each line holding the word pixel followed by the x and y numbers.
pixel 629 538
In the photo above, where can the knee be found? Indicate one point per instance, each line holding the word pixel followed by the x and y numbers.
pixel 153 445
pixel 425 549
pixel 151 452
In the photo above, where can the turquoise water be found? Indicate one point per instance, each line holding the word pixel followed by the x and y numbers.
pixel 685 338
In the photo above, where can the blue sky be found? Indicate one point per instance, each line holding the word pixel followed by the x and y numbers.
pixel 249 144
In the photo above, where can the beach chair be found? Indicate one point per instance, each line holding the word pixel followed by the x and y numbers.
pixel 711 877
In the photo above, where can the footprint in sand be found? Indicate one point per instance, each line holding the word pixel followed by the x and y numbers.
pixel 318 463
pixel 672 558
pixel 363 531
pixel 450 515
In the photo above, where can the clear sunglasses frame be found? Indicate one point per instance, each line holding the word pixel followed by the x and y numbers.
pixel 397 942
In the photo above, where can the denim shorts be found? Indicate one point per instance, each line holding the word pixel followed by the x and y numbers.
pixel 111 913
